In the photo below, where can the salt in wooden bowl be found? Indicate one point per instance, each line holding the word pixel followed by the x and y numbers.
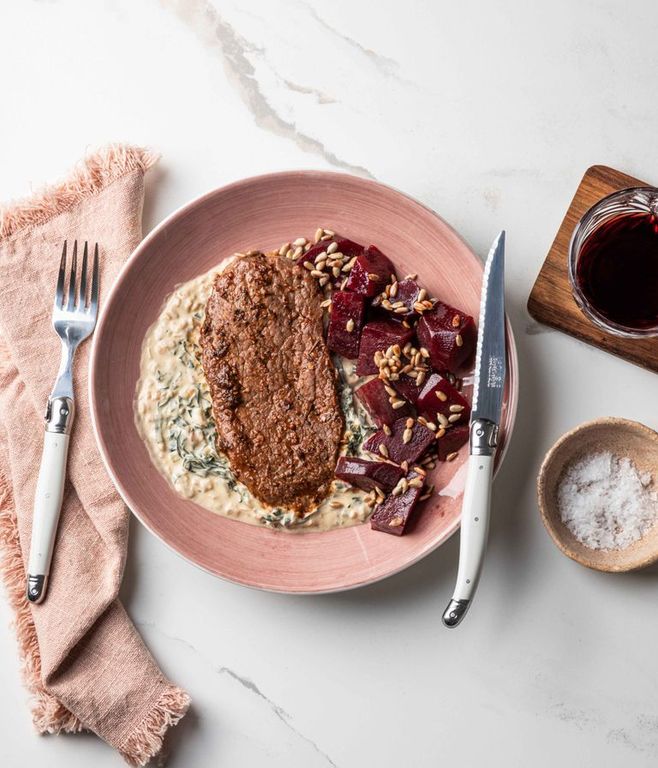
pixel 622 438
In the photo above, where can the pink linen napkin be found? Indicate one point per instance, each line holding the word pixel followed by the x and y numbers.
pixel 83 660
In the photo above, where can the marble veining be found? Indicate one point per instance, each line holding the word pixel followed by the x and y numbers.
pixel 387 66
pixel 214 31
pixel 246 683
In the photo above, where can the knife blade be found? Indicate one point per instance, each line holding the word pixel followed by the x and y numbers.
pixel 490 371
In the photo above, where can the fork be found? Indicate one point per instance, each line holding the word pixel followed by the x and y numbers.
pixel 74 319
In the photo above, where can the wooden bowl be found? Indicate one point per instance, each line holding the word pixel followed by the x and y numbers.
pixel 623 438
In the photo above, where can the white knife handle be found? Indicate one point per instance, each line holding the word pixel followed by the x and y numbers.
pixel 474 527
pixel 48 497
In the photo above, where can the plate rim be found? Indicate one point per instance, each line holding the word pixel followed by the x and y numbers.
pixel 94 356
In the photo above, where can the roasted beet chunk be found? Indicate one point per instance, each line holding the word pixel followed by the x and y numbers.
pixel 418 439
pixel 331 257
pixel 345 323
pixel 395 512
pixel 347 247
pixel 409 293
pixel 452 441
pixel 379 335
pixel 313 252
pixel 379 403
pixel 370 272
pixel 407 388
pixel 442 404
pixel 368 475
pixel 449 335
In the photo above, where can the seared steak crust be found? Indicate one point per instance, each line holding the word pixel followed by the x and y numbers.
pixel 272 382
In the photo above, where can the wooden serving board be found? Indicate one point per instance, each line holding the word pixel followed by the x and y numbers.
pixel 551 301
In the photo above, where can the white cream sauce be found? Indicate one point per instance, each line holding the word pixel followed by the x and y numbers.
pixel 174 417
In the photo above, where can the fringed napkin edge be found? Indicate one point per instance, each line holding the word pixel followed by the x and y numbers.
pixel 92 174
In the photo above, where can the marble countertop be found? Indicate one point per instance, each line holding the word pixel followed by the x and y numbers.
pixel 488 113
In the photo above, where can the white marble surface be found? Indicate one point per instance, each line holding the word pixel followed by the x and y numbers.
pixel 489 113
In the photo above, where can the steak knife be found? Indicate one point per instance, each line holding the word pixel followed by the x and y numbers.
pixel 485 420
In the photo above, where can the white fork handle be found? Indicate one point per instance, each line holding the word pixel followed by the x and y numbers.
pixel 47 505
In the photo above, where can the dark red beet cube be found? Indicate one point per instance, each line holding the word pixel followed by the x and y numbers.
pixel 312 252
pixel 408 292
pixel 377 401
pixel 452 441
pixel 345 323
pixel 395 512
pixel 347 247
pixel 407 388
pixel 449 335
pixel 370 273
pixel 368 475
pixel 439 396
pixel 379 335
pixel 395 447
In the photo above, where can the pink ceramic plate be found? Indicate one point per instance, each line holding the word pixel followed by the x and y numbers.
pixel 263 212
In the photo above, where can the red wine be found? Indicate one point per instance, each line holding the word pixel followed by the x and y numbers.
pixel 617 270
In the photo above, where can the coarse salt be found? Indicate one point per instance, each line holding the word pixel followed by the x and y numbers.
pixel 606 502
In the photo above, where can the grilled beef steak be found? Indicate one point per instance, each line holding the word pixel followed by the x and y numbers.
pixel 272 382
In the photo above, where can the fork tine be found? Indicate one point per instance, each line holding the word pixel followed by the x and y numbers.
pixel 82 295
pixel 93 304
pixel 74 266
pixel 59 293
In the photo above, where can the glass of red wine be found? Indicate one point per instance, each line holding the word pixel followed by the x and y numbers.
pixel 613 263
